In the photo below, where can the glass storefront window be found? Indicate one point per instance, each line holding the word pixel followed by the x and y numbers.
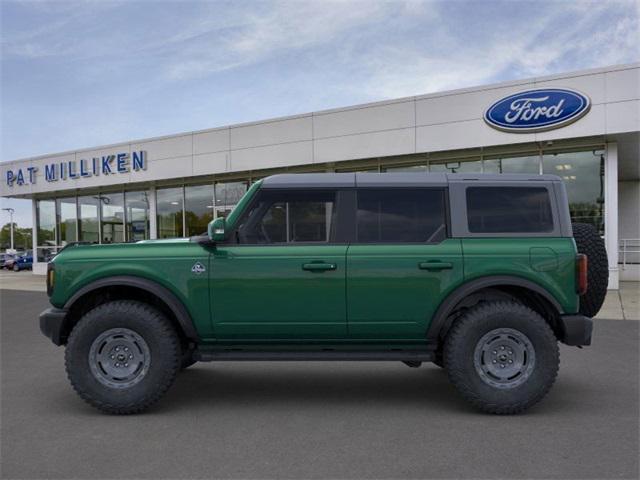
pixel 407 168
pixel 88 219
pixel 198 208
pixel 363 169
pixel 67 220
pixel 583 175
pixel 46 229
pixel 112 217
pixel 227 195
pixel 472 166
pixel 169 212
pixel 136 216
pixel 528 164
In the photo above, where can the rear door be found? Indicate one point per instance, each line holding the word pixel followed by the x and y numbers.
pixel 401 264
pixel 285 277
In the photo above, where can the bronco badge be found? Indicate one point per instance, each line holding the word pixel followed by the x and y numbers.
pixel 198 268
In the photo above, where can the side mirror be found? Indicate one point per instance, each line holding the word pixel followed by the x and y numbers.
pixel 216 230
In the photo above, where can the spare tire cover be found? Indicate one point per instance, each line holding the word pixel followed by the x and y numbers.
pixel 589 242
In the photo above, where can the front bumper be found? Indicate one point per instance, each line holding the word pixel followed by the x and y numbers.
pixel 53 325
pixel 576 330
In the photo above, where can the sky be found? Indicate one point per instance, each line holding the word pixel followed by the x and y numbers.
pixel 87 73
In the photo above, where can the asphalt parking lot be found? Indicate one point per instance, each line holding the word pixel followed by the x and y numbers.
pixel 316 420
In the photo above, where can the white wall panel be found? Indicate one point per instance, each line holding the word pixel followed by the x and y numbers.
pixel 368 119
pixel 209 163
pixel 623 85
pixel 462 107
pixel 593 123
pixel 166 168
pixel 271 133
pixel 469 134
pixel 623 116
pixel 379 144
pixel 212 141
pixel 166 147
pixel 592 85
pixel 629 210
pixel 272 156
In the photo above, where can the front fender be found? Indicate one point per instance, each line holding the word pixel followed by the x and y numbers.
pixel 165 265
pixel 176 306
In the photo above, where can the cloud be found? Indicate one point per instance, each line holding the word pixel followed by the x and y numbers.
pixel 402 48
pixel 285 27
pixel 556 40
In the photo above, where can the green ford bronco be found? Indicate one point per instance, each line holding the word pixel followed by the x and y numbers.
pixel 480 274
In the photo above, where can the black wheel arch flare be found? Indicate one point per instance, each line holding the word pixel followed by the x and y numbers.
pixel 441 320
pixel 162 293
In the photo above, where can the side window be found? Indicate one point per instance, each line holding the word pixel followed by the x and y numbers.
pixel 289 216
pixel 401 215
pixel 509 210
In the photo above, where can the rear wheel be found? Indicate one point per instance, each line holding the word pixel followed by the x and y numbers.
pixel 122 356
pixel 502 357
pixel 16 268
pixel 589 242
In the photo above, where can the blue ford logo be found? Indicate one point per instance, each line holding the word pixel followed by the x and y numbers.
pixel 537 110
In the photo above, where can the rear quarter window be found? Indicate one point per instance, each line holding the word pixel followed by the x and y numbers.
pixel 509 210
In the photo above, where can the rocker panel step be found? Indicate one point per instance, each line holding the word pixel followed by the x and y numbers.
pixel 323 355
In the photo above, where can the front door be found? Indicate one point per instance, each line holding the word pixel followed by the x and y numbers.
pixel 402 263
pixel 282 276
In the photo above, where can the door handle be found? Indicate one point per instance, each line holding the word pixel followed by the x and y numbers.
pixel 435 266
pixel 319 267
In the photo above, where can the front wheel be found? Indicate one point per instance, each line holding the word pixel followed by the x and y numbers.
pixel 502 357
pixel 16 268
pixel 122 356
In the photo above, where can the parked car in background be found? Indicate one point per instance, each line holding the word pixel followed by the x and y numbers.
pixel 6 258
pixel 23 262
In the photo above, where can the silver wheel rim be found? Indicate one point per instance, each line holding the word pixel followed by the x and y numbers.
pixel 504 358
pixel 119 358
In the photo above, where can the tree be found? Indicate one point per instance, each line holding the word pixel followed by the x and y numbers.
pixel 22 237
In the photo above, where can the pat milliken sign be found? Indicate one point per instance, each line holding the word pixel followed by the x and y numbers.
pixel 117 163
pixel 537 110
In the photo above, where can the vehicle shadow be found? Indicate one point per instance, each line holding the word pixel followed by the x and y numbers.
pixel 312 385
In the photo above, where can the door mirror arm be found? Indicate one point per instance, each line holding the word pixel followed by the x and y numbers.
pixel 216 230
pixel 203 240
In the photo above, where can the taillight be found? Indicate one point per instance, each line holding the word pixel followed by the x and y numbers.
pixel 582 281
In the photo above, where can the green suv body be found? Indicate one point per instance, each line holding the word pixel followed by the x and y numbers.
pixel 477 273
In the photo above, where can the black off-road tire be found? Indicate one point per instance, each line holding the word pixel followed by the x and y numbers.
pixel 161 343
pixel 462 343
pixel 589 242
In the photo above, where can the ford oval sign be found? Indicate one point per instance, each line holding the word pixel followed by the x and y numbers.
pixel 537 110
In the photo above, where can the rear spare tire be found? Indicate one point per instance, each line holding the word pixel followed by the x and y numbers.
pixel 589 243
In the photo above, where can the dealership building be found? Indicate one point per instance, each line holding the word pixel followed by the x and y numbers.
pixel 582 126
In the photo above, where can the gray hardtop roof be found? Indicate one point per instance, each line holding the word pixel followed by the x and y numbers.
pixel 404 179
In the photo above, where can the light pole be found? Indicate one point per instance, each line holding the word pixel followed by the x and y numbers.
pixel 11 212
